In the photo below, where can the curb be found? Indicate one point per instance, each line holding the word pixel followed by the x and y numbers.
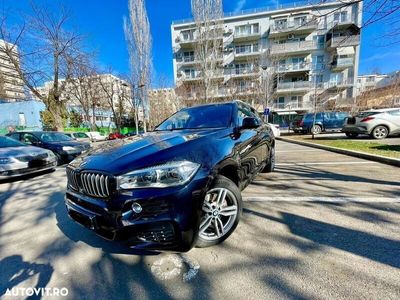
pixel 373 157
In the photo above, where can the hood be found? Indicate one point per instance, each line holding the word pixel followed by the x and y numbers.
pixel 121 156
pixel 22 151
pixel 77 144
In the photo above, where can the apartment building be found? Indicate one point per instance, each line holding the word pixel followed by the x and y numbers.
pixel 162 104
pixel 369 82
pixel 11 85
pixel 302 51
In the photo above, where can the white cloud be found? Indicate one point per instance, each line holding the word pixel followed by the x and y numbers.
pixel 240 5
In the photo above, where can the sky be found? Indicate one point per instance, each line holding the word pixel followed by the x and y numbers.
pixel 101 22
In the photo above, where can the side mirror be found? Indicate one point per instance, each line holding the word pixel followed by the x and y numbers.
pixel 250 123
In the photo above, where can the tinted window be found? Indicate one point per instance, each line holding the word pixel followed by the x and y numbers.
pixel 365 114
pixel 29 138
pixel 245 111
pixel 9 142
pixel 210 116
pixel 54 137
pixel 14 136
pixel 81 135
pixel 395 112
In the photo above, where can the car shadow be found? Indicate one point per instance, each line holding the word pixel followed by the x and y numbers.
pixel 379 249
pixel 15 270
pixel 26 177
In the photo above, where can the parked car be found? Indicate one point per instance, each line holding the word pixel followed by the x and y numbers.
pixel 115 135
pixel 177 186
pixel 18 159
pixel 133 133
pixel 378 123
pixel 324 122
pixel 295 124
pixel 275 129
pixel 79 136
pixel 64 147
pixel 96 136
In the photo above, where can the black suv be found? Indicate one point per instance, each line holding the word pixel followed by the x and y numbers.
pixel 177 186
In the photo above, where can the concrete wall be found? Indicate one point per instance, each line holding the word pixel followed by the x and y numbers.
pixel 23 113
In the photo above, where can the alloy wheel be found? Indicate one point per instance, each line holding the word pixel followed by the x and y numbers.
pixel 220 209
pixel 380 132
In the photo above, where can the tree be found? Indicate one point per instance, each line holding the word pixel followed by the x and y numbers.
pixel 138 38
pixel 75 119
pixel 208 18
pixel 48 52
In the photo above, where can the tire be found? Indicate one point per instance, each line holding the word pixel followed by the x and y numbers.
pixel 316 129
pixel 379 132
pixel 351 134
pixel 270 166
pixel 212 220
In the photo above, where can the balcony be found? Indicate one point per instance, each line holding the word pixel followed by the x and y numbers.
pixel 241 72
pixel 295 47
pixel 343 41
pixel 182 77
pixel 341 64
pixel 246 55
pixel 292 26
pixel 293 68
pixel 338 86
pixel 296 86
pixel 246 36
pixel 186 61
pixel 291 105
pixel 343 23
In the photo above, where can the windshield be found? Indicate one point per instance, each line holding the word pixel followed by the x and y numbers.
pixel 54 137
pixel 9 142
pixel 210 116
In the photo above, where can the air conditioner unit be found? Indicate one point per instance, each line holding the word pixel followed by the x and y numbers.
pixel 291 36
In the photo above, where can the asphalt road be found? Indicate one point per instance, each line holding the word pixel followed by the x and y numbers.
pixel 323 226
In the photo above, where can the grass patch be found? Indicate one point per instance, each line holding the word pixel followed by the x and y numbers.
pixel 361 146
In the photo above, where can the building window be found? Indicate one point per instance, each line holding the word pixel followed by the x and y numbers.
pixel 299 21
pixel 247 29
pixel 281 24
pixel 188 56
pixel 21 119
pixel 187 35
pixel 280 103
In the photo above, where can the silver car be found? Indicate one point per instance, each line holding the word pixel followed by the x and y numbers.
pixel 378 123
pixel 18 159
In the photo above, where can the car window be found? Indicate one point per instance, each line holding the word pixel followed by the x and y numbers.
pixel 81 135
pixel 54 137
pixel 29 138
pixel 9 142
pixel 209 116
pixel 365 114
pixel 245 111
pixel 395 112
pixel 14 136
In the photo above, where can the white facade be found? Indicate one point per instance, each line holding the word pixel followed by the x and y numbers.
pixel 369 82
pixel 314 48
pixel 11 85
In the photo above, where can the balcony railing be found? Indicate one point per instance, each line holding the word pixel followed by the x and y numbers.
pixel 340 84
pixel 343 62
pixel 289 105
pixel 294 67
pixel 241 71
pixel 344 41
pixel 297 85
pixel 299 46
pixel 294 26
pixel 186 59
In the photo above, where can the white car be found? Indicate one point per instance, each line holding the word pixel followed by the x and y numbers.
pixel 96 136
pixel 17 159
pixel 275 129
pixel 378 123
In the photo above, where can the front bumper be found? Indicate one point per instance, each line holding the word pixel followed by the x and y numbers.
pixel 168 221
pixel 20 169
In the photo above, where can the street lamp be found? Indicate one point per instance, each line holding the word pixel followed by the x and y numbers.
pixel 265 67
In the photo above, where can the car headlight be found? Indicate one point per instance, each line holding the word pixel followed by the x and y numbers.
pixel 68 148
pixel 5 160
pixel 166 175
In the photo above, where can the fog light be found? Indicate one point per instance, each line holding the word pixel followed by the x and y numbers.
pixel 137 208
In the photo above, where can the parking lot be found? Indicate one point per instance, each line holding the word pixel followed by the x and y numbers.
pixel 323 226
